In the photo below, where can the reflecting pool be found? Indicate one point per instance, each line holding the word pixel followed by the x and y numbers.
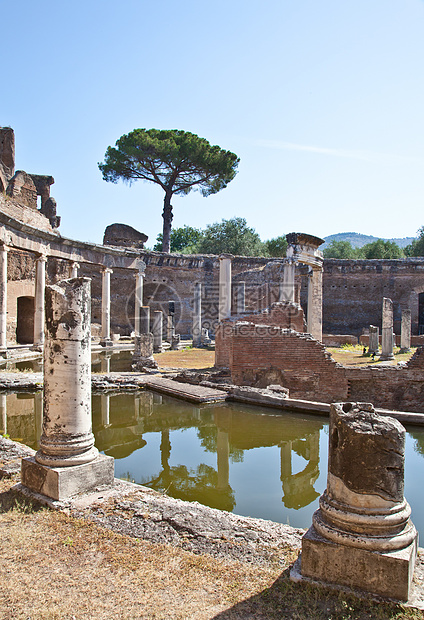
pixel 248 460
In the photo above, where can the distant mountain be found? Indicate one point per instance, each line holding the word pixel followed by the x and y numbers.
pixel 358 240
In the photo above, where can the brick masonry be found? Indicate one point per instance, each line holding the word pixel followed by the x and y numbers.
pixel 260 355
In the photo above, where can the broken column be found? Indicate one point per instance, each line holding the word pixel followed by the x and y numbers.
pixel 387 330
pixel 157 322
pixel 143 343
pixel 67 462
pixel 405 331
pixel 105 339
pixel 40 285
pixel 3 299
pixel 197 315
pixel 224 308
pixel 314 313
pixel 362 536
pixel 74 269
pixel 374 340
pixel 139 278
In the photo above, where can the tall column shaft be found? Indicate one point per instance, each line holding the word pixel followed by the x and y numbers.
pixel 3 413
pixel 67 438
pixel 405 330
pixel 105 333
pixel 3 297
pixel 286 292
pixel 197 315
pixel 144 319
pixel 139 277
pixel 241 297
pixel 157 323
pixel 387 330
pixel 40 285
pixel 224 311
pixel 315 304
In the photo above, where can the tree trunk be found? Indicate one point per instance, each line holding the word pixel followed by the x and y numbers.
pixel 167 222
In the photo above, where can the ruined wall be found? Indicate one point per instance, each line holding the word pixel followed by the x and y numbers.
pixel 24 214
pixel 285 315
pixel 353 291
pixel 261 355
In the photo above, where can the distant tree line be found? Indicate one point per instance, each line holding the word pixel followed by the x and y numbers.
pixel 236 237
pixel 233 236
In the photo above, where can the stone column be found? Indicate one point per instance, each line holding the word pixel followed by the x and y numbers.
pixel 38 412
pixel 197 315
pixel 40 285
pixel 144 320
pixel 157 323
pixel 3 413
pixel 315 303
pixel 286 292
pixel 3 299
pixel 139 277
pixel 374 340
pixel 74 269
pixel 362 536
pixel 67 462
pixel 224 311
pixel 387 330
pixel 105 340
pixel 241 297
pixel 405 331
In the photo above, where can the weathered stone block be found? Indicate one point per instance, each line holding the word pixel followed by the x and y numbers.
pixel 61 483
pixel 387 574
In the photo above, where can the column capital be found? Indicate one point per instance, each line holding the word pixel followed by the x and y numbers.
pixel 41 258
pixel 224 256
pixel 74 263
pixel 106 270
pixel 141 266
pixel 4 247
pixel 139 273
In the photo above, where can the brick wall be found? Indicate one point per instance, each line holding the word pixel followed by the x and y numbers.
pixel 388 387
pixel 281 314
pixel 262 354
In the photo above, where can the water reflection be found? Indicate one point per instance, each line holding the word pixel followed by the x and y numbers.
pixel 230 457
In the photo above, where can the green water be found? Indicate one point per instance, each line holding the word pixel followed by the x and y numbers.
pixel 233 457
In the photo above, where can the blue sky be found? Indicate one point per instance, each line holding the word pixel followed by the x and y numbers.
pixel 322 100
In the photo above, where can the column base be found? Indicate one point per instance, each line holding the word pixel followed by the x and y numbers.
pixel 384 573
pixel 107 342
pixel 405 350
pixel 60 483
pixel 386 358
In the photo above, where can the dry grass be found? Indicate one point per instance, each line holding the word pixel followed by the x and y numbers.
pixel 53 567
pixel 353 356
pixel 186 358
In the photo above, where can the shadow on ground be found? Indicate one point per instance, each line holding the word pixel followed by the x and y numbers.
pixel 294 601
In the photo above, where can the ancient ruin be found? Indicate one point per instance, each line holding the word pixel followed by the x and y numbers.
pixel 67 462
pixel 362 535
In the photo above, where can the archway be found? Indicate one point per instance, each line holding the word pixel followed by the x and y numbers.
pixel 25 320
